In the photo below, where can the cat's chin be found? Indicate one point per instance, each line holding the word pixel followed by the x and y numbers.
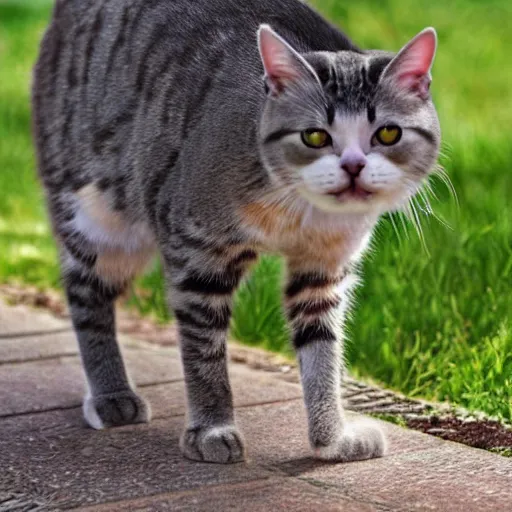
pixel 346 202
pixel 359 202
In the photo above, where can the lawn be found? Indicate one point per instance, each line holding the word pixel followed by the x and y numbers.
pixel 433 318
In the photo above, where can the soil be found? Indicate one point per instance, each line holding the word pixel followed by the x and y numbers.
pixel 484 434
pixel 415 414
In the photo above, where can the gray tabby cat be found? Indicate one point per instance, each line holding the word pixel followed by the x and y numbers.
pixel 195 129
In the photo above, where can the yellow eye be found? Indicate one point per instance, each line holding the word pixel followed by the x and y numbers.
pixel 389 135
pixel 316 138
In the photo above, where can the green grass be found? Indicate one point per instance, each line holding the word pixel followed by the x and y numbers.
pixel 504 451
pixel 396 419
pixel 432 322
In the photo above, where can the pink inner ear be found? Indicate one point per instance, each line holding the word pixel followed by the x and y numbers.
pixel 277 60
pixel 414 63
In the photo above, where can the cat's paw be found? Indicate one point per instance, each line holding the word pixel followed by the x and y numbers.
pixel 116 409
pixel 359 440
pixel 222 444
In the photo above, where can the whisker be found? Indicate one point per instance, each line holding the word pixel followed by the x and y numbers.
pixel 430 190
pixel 412 214
pixel 402 216
pixel 442 175
pixel 423 202
pixel 395 227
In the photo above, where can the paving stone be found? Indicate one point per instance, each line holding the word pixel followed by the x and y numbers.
pixel 50 456
pixel 42 345
pixel 54 383
pixel 451 478
pixel 420 473
pixel 27 334
pixel 45 339
pixel 273 494
pixel 72 466
pixel 249 388
pixel 166 400
pixel 75 467
pixel 21 319
pixel 51 461
pixel 59 383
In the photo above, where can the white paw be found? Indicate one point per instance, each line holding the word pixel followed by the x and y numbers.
pixel 116 409
pixel 360 440
pixel 221 444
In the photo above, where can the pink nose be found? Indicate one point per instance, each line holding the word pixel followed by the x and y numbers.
pixel 353 161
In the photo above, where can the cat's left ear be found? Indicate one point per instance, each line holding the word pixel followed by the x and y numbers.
pixel 410 69
pixel 283 65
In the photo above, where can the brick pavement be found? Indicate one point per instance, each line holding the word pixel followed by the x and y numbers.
pixel 49 460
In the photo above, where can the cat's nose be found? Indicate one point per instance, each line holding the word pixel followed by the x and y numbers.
pixel 353 161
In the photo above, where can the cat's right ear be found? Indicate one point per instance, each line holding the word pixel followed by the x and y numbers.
pixel 283 65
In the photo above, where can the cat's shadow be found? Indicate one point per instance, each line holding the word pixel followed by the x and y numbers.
pixel 157 441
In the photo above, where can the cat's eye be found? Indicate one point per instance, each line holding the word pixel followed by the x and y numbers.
pixel 316 138
pixel 388 135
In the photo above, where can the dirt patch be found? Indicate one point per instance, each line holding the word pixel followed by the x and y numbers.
pixel 484 434
pixel 31 296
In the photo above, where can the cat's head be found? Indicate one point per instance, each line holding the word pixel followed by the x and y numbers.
pixel 350 132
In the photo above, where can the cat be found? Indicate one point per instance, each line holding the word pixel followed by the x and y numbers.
pixel 213 131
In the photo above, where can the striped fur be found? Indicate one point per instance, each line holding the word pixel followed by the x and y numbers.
pixel 156 131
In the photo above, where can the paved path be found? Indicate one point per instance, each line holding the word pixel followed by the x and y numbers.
pixel 50 461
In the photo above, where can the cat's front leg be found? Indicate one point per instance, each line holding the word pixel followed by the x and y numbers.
pixel 315 303
pixel 201 296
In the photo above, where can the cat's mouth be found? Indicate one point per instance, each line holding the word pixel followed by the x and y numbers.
pixel 353 191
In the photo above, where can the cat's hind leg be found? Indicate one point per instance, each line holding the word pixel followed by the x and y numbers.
pixel 315 302
pixel 100 254
pixel 111 399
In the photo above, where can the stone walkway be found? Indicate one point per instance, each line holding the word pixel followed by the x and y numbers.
pixel 50 461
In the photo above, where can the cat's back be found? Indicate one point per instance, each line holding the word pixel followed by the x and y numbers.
pixel 106 55
pixel 118 80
